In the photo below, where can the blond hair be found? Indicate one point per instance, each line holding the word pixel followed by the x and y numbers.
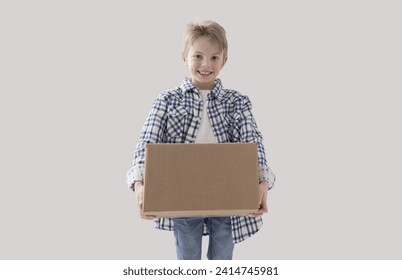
pixel 209 29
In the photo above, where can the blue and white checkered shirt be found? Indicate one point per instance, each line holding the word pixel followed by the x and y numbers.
pixel 175 117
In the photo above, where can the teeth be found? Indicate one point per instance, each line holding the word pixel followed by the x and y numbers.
pixel 205 73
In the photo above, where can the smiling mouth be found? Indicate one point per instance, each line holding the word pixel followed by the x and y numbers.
pixel 204 73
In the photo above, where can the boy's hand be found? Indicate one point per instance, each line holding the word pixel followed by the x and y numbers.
pixel 139 193
pixel 263 186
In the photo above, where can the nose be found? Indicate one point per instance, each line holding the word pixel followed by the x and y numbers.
pixel 205 62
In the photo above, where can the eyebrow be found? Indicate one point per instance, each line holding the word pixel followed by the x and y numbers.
pixel 203 53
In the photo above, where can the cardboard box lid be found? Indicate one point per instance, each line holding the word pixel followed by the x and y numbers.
pixel 201 179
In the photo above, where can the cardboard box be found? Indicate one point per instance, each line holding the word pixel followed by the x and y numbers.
pixel 187 180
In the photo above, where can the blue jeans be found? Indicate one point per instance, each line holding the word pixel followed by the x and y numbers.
pixel 188 236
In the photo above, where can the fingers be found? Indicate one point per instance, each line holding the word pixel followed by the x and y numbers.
pixel 141 210
pixel 259 212
pixel 147 217
pixel 263 209
pixel 263 203
pixel 140 202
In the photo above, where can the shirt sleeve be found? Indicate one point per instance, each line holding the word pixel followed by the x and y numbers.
pixel 248 131
pixel 152 132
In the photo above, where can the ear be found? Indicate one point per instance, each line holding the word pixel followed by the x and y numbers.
pixel 184 58
pixel 224 62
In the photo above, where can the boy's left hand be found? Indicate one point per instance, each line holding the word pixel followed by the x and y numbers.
pixel 263 187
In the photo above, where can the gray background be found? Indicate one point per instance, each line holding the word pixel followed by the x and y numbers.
pixel 78 79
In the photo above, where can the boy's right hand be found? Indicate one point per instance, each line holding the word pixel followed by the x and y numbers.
pixel 139 193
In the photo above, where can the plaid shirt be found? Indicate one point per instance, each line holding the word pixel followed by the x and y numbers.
pixel 175 118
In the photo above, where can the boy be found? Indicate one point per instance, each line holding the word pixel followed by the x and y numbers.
pixel 202 111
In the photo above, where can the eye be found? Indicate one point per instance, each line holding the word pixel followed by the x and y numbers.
pixel 197 56
pixel 215 58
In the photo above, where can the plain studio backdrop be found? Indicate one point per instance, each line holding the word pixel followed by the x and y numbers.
pixel 78 79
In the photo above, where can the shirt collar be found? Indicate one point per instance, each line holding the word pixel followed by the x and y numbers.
pixel 188 86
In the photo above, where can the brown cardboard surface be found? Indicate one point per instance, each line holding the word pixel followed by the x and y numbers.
pixel 185 180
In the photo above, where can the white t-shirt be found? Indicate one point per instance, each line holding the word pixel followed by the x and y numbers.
pixel 205 132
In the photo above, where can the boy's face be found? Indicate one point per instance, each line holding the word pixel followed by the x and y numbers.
pixel 205 61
